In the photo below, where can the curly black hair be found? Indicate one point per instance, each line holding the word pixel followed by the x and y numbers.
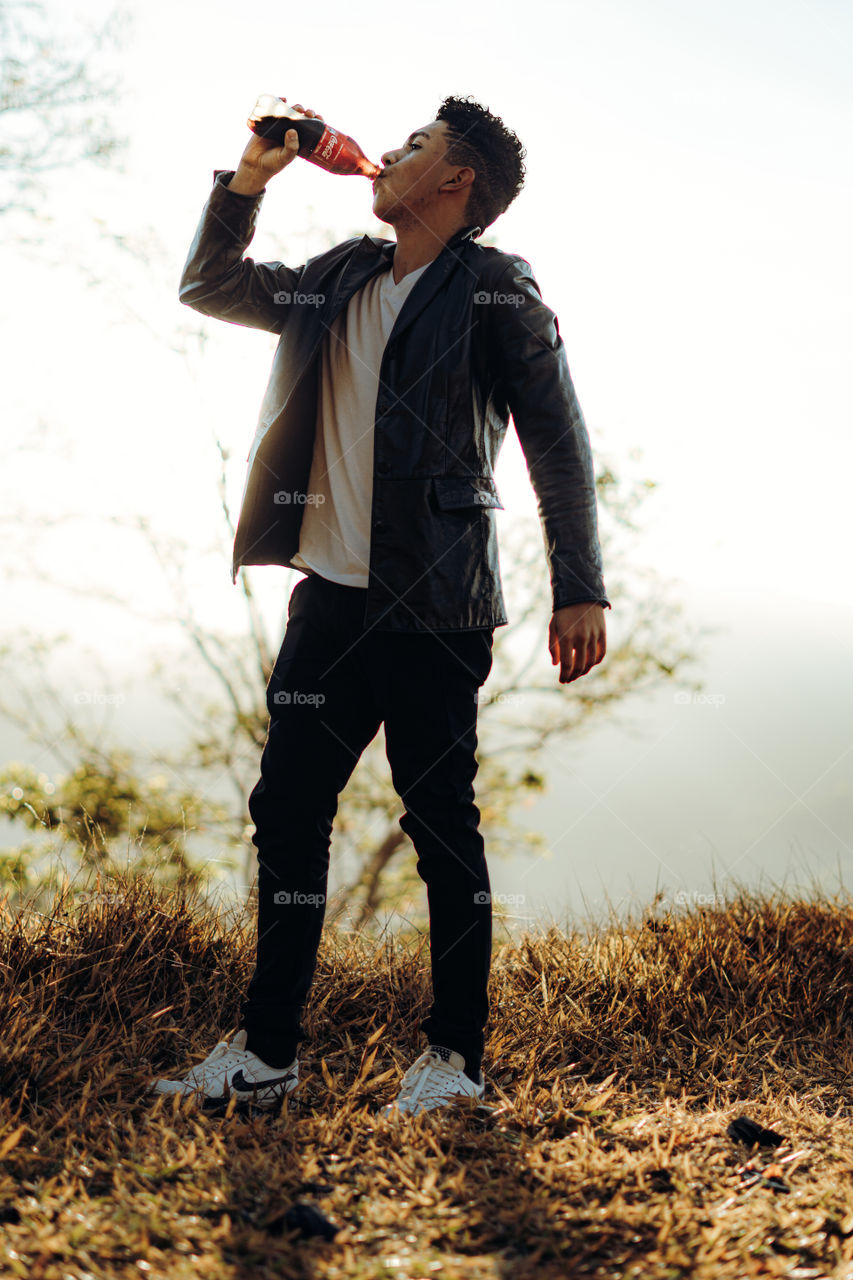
pixel 482 140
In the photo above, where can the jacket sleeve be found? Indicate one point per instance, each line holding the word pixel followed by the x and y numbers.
pixel 218 281
pixel 533 373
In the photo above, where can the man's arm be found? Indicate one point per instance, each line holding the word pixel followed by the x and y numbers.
pixel 534 375
pixel 217 280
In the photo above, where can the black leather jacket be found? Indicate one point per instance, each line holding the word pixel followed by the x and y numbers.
pixel 473 343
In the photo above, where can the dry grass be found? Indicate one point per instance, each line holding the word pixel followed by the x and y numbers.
pixel 615 1064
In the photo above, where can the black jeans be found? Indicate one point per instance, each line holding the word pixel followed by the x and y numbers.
pixel 332 687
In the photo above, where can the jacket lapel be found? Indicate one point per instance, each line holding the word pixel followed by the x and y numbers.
pixel 367 259
pixel 372 255
pixel 432 280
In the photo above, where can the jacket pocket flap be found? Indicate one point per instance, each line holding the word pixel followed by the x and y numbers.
pixel 465 491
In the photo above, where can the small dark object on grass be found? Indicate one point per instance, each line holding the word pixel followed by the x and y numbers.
pixel 745 1130
pixel 661 1180
pixel 306 1219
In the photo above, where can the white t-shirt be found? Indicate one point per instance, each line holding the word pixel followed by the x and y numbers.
pixel 334 538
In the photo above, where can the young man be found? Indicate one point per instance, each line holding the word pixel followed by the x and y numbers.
pixel 397 368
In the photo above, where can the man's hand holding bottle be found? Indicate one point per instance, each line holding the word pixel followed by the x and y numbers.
pixel 263 159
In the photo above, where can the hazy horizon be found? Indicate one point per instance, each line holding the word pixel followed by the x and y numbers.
pixel 686 215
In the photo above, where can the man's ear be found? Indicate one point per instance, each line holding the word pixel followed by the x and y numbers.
pixel 463 178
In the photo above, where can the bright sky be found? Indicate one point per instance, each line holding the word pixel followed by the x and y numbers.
pixel 687 215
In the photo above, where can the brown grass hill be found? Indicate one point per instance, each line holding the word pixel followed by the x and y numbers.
pixel 623 1067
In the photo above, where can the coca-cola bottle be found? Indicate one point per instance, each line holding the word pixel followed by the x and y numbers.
pixel 318 142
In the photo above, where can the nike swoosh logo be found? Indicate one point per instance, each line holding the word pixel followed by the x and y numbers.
pixel 242 1085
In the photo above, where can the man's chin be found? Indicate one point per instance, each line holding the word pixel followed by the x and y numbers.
pixel 386 216
pixel 386 208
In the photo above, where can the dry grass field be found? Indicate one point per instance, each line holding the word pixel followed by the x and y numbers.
pixel 616 1062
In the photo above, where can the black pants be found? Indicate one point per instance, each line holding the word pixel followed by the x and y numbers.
pixel 332 686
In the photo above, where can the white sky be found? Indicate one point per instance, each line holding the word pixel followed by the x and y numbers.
pixel 687 214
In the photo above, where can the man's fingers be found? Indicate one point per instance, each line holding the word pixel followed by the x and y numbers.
pixel 577 668
pixel 570 664
pixel 578 658
pixel 553 643
pixel 589 661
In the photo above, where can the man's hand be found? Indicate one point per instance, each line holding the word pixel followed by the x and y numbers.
pixel 577 639
pixel 262 159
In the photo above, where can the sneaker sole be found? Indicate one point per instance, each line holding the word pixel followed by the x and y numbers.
pixel 177 1088
pixel 392 1110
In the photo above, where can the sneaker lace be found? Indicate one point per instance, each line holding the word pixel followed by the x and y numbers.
pixel 428 1078
pixel 223 1056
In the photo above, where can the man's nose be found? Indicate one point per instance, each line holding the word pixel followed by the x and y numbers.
pixel 388 157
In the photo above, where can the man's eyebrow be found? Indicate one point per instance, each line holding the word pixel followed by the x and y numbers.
pixel 419 133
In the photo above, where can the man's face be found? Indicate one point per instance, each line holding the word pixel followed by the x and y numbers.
pixel 407 189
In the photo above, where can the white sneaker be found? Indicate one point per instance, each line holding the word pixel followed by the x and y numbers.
pixel 433 1080
pixel 232 1069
